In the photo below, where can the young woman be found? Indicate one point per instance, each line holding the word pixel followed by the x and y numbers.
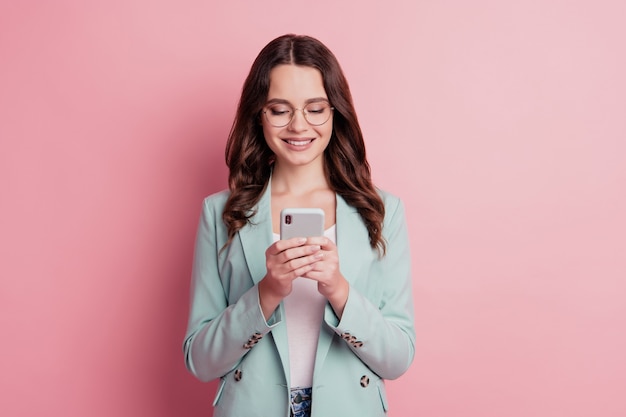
pixel 304 326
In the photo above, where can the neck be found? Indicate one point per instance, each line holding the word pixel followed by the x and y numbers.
pixel 298 179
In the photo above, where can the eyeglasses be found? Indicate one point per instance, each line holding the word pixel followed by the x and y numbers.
pixel 281 114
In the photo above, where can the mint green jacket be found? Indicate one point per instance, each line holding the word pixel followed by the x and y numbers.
pixel 228 337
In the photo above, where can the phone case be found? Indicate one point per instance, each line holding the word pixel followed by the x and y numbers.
pixel 301 222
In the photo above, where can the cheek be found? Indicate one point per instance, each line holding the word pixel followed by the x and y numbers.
pixel 327 132
pixel 269 135
pixel 329 126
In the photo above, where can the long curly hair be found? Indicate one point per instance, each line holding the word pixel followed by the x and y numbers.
pixel 250 159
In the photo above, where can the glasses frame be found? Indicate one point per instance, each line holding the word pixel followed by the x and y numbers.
pixel 302 110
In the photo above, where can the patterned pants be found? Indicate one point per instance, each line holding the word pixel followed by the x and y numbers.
pixel 301 402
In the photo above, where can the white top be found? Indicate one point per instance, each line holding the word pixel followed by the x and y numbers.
pixel 304 309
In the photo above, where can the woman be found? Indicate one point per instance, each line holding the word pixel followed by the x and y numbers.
pixel 304 326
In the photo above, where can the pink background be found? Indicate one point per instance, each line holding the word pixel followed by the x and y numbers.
pixel 500 123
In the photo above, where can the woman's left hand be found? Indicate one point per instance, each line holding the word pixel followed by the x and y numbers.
pixel 330 282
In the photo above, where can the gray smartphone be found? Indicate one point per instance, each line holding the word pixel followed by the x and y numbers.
pixel 301 222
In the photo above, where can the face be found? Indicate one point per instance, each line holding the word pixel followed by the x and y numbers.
pixel 299 142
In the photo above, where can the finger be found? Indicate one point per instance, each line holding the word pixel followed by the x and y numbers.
pixel 297 264
pixel 317 274
pixel 317 240
pixel 302 271
pixel 299 252
pixel 324 242
pixel 282 245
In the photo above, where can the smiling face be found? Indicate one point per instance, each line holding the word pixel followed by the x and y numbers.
pixel 298 143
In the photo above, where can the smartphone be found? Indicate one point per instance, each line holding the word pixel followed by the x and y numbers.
pixel 301 222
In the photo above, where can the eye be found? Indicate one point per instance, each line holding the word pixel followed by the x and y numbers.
pixel 316 109
pixel 279 110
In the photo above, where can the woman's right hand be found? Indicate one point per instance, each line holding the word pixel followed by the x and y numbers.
pixel 285 261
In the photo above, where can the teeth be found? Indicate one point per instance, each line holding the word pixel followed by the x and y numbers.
pixel 299 142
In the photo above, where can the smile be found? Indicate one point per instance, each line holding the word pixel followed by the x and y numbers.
pixel 298 142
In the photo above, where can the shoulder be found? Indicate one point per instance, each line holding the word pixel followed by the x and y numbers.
pixel 392 202
pixel 213 207
pixel 394 210
pixel 216 200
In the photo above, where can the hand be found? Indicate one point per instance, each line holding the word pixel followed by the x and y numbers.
pixel 285 260
pixel 330 282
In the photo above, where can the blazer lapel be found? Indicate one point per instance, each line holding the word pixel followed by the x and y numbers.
pixel 352 240
pixel 256 237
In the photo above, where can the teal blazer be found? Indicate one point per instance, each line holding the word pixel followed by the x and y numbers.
pixel 228 337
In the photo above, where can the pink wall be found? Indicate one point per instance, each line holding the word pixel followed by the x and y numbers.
pixel 501 124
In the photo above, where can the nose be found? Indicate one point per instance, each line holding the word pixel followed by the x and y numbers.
pixel 298 123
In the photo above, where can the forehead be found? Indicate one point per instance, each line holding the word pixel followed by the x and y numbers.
pixel 295 83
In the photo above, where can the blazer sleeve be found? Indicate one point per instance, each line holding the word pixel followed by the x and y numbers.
pixel 219 333
pixel 382 334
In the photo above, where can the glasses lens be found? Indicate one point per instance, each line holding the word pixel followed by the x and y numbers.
pixel 317 113
pixel 279 115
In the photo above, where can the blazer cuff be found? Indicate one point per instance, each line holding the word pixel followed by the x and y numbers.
pixel 276 316
pixel 331 318
pixel 352 323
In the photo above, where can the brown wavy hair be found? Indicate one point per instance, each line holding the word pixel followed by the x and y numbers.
pixel 250 160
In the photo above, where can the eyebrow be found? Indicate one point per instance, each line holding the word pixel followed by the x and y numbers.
pixel 309 101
